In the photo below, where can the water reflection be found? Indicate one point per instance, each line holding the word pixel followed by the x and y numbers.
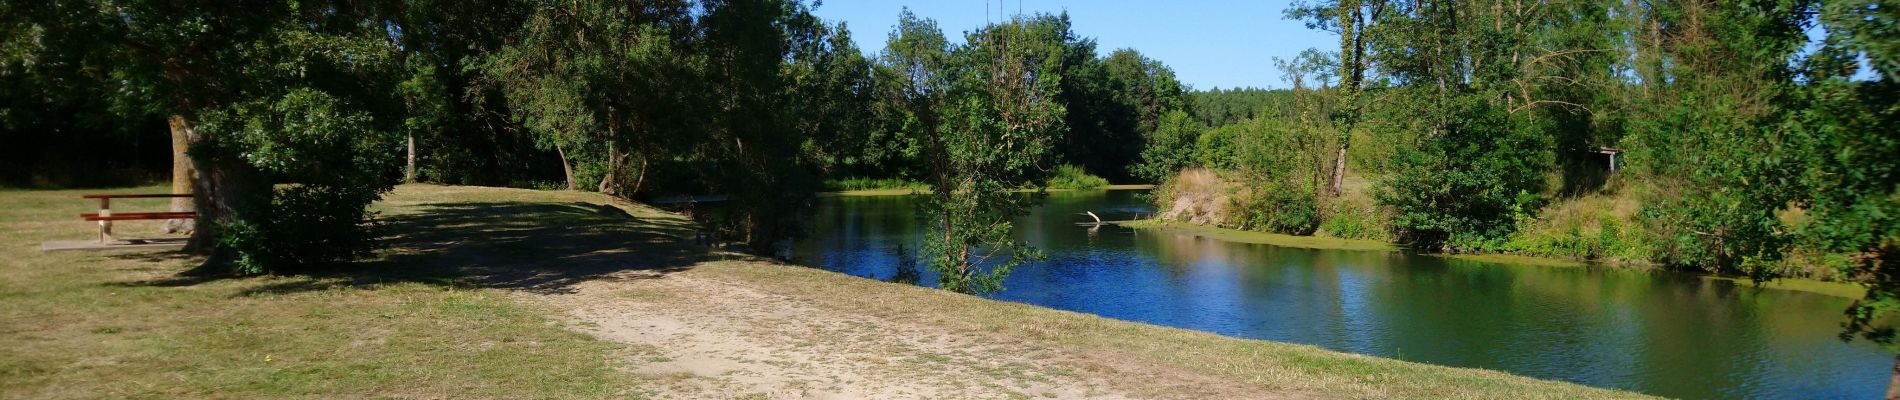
pixel 1661 333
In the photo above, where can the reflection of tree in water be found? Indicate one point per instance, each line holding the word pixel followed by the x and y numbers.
pixel 907 272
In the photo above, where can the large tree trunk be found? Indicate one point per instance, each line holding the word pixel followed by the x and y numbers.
pixel 182 174
pixel 567 167
pixel 409 169
pixel 223 185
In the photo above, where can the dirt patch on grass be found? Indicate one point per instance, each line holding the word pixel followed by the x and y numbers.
pixel 710 338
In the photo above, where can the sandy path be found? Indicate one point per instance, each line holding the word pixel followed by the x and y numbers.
pixel 695 338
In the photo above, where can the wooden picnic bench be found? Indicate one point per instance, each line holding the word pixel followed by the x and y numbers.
pixel 105 216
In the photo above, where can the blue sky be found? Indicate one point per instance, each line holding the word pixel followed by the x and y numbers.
pixel 1209 44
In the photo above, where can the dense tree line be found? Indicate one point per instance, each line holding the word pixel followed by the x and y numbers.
pixel 297 115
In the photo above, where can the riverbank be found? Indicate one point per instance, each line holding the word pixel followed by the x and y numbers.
pixel 1837 289
pixel 914 191
pixel 507 293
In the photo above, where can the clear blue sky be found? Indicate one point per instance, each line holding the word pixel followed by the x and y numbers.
pixel 1208 43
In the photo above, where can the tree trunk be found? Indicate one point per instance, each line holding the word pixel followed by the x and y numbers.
pixel 182 174
pixel 221 187
pixel 1339 169
pixel 639 178
pixel 1893 384
pixel 567 167
pixel 409 169
pixel 608 184
pixel 222 190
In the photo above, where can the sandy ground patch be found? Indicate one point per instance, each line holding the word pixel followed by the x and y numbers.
pixel 706 338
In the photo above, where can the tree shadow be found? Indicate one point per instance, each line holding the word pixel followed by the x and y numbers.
pixel 538 247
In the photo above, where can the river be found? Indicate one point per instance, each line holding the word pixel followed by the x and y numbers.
pixel 1663 333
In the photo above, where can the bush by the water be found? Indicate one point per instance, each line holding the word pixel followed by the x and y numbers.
pixel 839 185
pixel 1073 177
pixel 1354 216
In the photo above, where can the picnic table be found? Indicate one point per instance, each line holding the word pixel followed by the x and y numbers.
pixel 105 216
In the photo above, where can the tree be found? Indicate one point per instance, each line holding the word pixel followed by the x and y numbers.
pixel 1708 127
pixel 1000 121
pixel 598 82
pixel 267 93
pixel 1843 132
pixel 1169 148
pixel 1352 20
pixel 913 80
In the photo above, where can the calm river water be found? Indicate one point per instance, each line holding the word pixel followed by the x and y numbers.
pixel 1661 333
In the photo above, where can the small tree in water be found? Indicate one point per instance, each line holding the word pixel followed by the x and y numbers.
pixel 989 112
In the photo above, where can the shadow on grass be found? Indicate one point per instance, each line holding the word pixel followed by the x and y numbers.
pixel 541 247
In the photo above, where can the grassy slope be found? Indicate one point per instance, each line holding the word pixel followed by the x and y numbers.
pixel 121 325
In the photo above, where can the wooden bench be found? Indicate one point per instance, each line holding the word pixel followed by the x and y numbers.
pixel 105 216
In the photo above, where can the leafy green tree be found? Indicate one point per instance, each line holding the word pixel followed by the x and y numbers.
pixel 286 106
pixel 1709 130
pixel 754 132
pixel 1850 180
pixel 1351 19
pixel 1478 166
pixel 599 82
pixel 1000 121
pixel 913 80
pixel 458 130
pixel 1114 104
pixel 1169 148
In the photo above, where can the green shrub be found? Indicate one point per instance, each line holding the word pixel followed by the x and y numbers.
pixel 1278 209
pixel 309 165
pixel 1073 177
pixel 306 227
pixel 1467 188
pixel 1354 218
pixel 839 185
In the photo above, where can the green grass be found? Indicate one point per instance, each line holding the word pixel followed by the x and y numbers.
pixel 1515 259
pixel 864 184
pixel 1236 235
pixel 124 325
pixel 1837 289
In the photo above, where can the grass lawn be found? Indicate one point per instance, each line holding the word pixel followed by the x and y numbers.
pixel 450 309
pixel 124 325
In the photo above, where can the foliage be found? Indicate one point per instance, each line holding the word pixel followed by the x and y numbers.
pixel 1353 217
pixel 1170 148
pixel 838 185
pixel 1073 177
pixel 1851 179
pixel 290 108
pixel 1466 189
pixel 999 124
pixel 1216 107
